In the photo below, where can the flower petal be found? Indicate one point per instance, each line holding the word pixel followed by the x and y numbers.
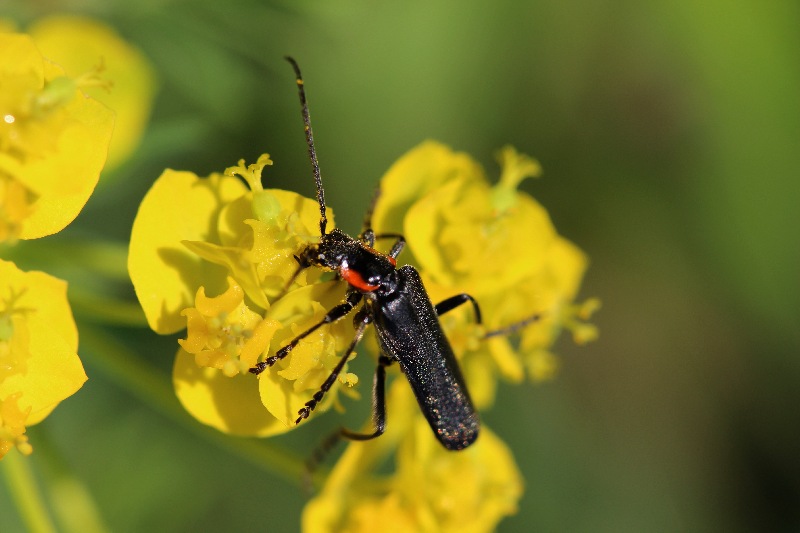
pixel 65 178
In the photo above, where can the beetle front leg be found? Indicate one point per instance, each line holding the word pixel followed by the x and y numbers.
pixel 341 310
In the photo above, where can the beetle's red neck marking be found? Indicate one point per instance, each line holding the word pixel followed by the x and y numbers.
pixel 391 259
pixel 354 278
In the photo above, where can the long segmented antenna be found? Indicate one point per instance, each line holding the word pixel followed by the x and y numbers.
pixel 312 153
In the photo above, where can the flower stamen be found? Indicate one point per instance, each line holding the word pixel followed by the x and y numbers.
pixel 223 333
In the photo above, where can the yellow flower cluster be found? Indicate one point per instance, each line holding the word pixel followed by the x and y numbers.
pixel 39 365
pixel 54 141
pixel 230 237
pixel 496 244
pixel 431 489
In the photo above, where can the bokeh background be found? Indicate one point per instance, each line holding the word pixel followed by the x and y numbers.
pixel 669 133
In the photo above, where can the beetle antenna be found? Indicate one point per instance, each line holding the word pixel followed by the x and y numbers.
pixel 367 225
pixel 312 152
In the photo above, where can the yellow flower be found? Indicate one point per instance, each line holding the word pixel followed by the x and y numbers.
pixel 39 365
pixel 495 243
pixel 218 228
pixel 80 44
pixel 552 291
pixel 431 490
pixel 53 142
pixel 237 243
pixel 461 231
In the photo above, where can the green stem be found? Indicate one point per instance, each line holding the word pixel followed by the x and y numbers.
pixel 73 507
pixel 104 258
pixel 106 310
pixel 25 492
pixel 152 388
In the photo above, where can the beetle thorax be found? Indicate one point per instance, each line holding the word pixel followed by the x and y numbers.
pixel 364 268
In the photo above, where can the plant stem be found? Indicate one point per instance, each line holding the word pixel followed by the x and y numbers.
pixel 25 492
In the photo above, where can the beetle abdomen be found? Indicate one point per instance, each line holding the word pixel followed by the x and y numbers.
pixel 408 331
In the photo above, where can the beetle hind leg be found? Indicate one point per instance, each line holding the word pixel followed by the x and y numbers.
pixel 454 301
pixel 378 418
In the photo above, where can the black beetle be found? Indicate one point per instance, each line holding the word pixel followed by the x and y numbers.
pixel 405 320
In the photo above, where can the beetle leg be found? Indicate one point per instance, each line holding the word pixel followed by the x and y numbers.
pixel 343 309
pixel 364 319
pixel 512 328
pixel 397 247
pixel 378 403
pixel 378 418
pixel 454 301
pixel 369 237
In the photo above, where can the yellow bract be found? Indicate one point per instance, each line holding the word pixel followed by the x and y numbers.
pixel 38 343
pixel 229 404
pixel 166 275
pixel 414 175
pixel 461 231
pixel 53 142
pixel 79 45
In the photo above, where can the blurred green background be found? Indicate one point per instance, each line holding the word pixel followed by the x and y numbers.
pixel 669 133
